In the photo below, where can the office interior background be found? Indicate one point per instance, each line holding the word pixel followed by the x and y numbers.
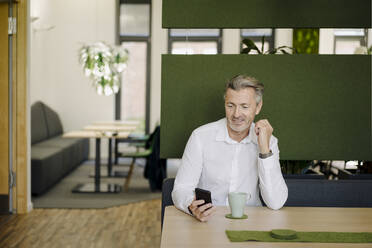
pixel 58 29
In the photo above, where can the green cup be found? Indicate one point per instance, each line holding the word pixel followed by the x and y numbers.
pixel 237 201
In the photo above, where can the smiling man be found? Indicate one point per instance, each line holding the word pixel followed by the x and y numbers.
pixel 233 154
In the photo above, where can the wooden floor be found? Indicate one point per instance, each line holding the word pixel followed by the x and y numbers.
pixel 132 225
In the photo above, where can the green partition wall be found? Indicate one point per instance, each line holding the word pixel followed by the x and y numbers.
pixel 266 14
pixel 319 105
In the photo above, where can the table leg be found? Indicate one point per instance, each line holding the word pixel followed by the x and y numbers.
pixel 109 162
pixel 97 175
pixel 110 170
pixel 97 186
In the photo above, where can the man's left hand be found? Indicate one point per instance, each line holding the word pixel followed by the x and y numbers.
pixel 263 131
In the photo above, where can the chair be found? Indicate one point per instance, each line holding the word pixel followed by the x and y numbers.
pixel 156 167
pixel 166 196
pixel 150 144
pixel 139 141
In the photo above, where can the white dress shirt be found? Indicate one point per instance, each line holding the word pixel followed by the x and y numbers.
pixel 215 162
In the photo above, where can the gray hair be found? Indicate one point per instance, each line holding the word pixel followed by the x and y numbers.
pixel 242 81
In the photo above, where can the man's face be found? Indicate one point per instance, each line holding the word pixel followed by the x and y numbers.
pixel 241 108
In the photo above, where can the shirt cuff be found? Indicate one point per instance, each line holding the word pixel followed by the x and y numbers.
pixel 184 205
pixel 267 164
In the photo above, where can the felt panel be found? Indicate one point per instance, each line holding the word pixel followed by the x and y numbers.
pixel 319 105
pixel 266 14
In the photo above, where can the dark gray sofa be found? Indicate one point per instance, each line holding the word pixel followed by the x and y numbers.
pixel 52 157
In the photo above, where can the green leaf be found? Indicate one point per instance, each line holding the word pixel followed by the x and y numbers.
pixel 245 50
pixel 284 51
pixel 274 51
pixel 250 44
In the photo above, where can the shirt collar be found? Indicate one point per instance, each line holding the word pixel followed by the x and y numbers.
pixel 223 134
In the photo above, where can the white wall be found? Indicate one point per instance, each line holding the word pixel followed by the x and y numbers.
pixel 326 41
pixel 231 41
pixel 56 77
pixel 159 37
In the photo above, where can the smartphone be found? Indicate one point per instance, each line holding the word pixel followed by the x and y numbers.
pixel 202 194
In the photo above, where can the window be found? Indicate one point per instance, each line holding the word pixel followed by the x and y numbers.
pixel 256 36
pixel 194 41
pixel 347 40
pixel 134 33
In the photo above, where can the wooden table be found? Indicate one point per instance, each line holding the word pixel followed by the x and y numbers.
pixel 114 127
pixel 110 128
pixel 118 122
pixel 97 186
pixel 182 230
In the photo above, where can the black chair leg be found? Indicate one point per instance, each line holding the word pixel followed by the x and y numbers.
pixel 116 151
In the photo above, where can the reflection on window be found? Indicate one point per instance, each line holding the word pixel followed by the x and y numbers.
pixel 133 89
pixel 347 40
pixel 134 19
pixel 194 41
pixel 345 45
pixel 181 47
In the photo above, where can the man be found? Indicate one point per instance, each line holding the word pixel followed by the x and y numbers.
pixel 233 154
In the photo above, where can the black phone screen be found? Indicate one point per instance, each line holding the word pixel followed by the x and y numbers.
pixel 202 194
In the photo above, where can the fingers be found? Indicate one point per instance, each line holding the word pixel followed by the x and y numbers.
pixel 206 215
pixel 209 211
pixel 197 202
pixel 204 207
pixel 203 212
pixel 194 205
pixel 264 123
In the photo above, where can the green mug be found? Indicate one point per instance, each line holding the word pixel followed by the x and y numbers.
pixel 237 202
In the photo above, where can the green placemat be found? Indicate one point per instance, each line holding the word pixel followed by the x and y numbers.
pixel 313 237
pixel 229 216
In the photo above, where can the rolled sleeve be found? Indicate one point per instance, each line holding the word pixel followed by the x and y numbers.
pixel 188 174
pixel 273 188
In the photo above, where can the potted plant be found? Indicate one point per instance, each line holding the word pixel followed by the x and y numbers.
pixel 104 64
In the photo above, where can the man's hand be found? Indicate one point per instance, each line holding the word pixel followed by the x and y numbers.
pixel 201 213
pixel 263 131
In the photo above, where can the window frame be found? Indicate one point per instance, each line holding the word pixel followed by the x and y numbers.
pixel 217 39
pixel 362 38
pixel 133 38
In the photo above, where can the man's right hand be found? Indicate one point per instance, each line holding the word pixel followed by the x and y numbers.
pixel 202 213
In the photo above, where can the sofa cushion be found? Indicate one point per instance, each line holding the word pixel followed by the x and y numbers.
pixel 329 193
pixel 53 122
pixel 75 150
pixel 39 129
pixel 59 141
pixel 46 167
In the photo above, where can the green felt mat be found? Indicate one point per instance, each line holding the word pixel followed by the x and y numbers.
pixel 314 237
pixel 229 216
